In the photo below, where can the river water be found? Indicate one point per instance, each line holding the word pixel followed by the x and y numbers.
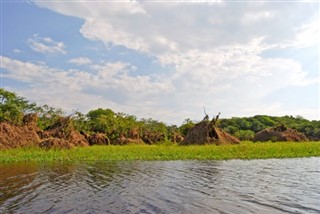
pixel 234 186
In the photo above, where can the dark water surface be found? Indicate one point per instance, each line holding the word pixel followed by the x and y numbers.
pixel 235 186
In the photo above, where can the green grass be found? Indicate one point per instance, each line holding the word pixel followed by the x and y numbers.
pixel 245 150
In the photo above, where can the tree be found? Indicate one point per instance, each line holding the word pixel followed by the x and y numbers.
pixel 102 120
pixel 244 134
pixel 48 116
pixel 13 107
pixel 186 126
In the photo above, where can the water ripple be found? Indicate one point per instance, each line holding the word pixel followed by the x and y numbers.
pixel 236 186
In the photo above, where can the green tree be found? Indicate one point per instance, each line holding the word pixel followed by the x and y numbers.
pixel 102 120
pixel 48 116
pixel 186 126
pixel 80 121
pixel 13 107
pixel 244 134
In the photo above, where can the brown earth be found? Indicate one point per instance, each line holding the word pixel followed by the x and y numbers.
pixel 98 139
pixel 206 132
pixel 64 131
pixel 125 140
pixel 56 143
pixel 61 135
pixel 279 133
pixel 14 136
pixel 177 138
pixel 152 137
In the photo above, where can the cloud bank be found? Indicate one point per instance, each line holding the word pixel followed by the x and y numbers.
pixel 213 54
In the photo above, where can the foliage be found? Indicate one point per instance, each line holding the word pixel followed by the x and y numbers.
pixel 48 116
pixel 116 125
pixel 244 134
pixel 239 126
pixel 13 107
pixel 186 126
pixel 80 121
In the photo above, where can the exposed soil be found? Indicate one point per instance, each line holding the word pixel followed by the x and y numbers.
pixel 151 138
pixel 56 143
pixel 125 140
pixel 97 139
pixel 206 132
pixel 64 131
pixel 279 133
pixel 177 138
pixel 61 135
pixel 14 136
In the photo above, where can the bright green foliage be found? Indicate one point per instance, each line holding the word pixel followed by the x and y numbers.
pixel 102 120
pixel 80 122
pixel 244 134
pixel 13 107
pixel 240 126
pixel 154 131
pixel 150 125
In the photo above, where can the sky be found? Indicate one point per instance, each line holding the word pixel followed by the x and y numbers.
pixel 165 60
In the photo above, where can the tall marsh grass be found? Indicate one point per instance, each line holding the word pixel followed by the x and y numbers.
pixel 244 150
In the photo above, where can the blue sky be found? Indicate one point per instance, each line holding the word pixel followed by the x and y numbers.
pixel 164 60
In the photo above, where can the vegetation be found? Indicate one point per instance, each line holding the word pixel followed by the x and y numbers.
pixel 116 125
pixel 245 150
pixel 244 128
pixel 13 107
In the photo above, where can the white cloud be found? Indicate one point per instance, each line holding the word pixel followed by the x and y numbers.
pixel 215 52
pixel 46 45
pixel 109 85
pixel 80 61
pixel 17 51
pixel 307 35
pixel 96 29
pixel 160 27
pixel 252 17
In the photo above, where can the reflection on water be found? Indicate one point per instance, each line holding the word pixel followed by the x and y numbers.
pixel 236 186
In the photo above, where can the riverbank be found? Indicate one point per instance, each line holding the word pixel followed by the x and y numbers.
pixel 244 150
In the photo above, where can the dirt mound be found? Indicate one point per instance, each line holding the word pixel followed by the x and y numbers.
pixel 206 132
pixel 30 119
pixel 125 140
pixel 177 138
pixel 279 133
pixel 56 143
pixel 13 136
pixel 97 139
pixel 152 137
pixel 63 130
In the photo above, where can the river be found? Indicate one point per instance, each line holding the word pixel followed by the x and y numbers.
pixel 233 186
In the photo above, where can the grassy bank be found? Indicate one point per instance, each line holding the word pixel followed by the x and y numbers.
pixel 246 150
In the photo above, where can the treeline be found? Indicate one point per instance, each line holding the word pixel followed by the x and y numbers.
pixel 113 125
pixel 244 128
pixel 120 125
